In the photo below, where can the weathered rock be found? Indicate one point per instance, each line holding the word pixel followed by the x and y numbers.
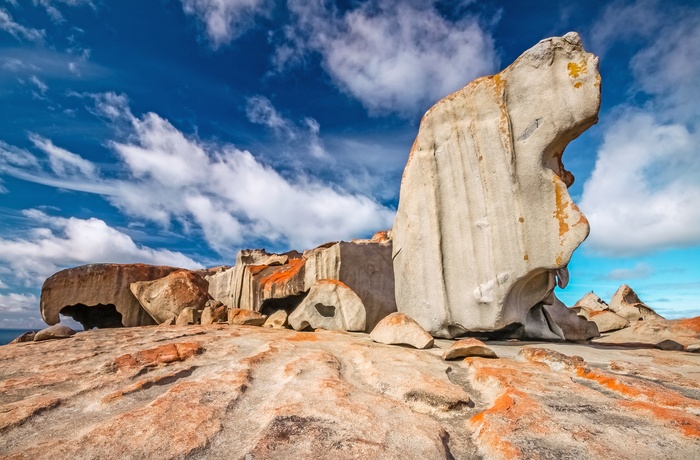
pixel 652 331
pixel 400 329
pixel 188 316
pixel 670 345
pixel 364 266
pixel 694 348
pixel 277 320
pixel 330 305
pixel 98 295
pixel 484 217
pixel 26 337
pixel 245 317
pixel 57 331
pixel 591 301
pixel 573 327
pixel 222 392
pixel 169 322
pixel 606 320
pixel 168 296
pixel 626 304
pixel 468 348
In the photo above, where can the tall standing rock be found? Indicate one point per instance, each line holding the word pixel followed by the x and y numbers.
pixel 626 303
pixel 484 218
pixel 166 297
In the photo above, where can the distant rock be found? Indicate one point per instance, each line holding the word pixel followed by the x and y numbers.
pixel 330 305
pixel 467 348
pixel 484 216
pixel 606 320
pixel 166 297
pixel 670 345
pixel 57 331
pixel 626 303
pixel 26 337
pixel 400 329
pixel 98 295
pixel 651 332
pixel 236 316
pixel 213 312
pixel 188 316
pixel 591 302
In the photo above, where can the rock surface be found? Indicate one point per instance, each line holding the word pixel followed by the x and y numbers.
pixel 653 331
pixel 626 303
pixel 239 317
pixel 591 301
pixel 468 348
pixel 606 320
pixel 166 297
pixel 57 331
pixel 330 305
pixel 573 327
pixel 98 295
pixel 400 329
pixel 209 392
pixel 485 220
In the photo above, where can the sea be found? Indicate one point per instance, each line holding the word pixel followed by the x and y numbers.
pixel 8 335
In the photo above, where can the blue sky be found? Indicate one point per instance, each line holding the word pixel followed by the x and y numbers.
pixel 178 132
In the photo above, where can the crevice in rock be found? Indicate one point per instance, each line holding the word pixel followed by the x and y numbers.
pixel 94 316
pixel 287 304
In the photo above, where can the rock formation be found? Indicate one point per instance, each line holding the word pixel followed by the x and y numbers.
pixel 399 329
pixel 468 348
pixel 166 297
pixel 485 221
pixel 220 391
pixel 626 304
pixel 330 305
pixel 98 295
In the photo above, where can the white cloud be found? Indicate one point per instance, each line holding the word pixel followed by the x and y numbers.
pixel 54 243
pixel 642 195
pixel 225 20
pixel 2 285
pixel 54 12
pixel 17 30
pixel 393 56
pixel 17 303
pixel 640 271
pixel 64 163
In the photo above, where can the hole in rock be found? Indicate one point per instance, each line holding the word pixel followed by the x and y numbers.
pixel 327 311
pixel 100 316
pixel 287 304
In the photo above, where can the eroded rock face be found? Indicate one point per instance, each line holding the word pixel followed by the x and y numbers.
pixel 484 218
pixel 626 303
pixel 330 305
pixel 400 329
pixel 100 288
pixel 209 392
pixel 166 297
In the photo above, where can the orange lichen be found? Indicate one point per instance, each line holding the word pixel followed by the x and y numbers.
pixel 336 282
pixel 164 354
pixel 521 220
pixel 286 273
pixel 561 205
pixel 525 257
pixel 690 323
pixel 575 70
pixel 255 269
pixel 302 337
pixel 577 84
pixel 687 424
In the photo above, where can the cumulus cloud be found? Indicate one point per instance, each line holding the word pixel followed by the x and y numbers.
pixel 225 20
pixel 393 56
pixel 167 178
pixel 18 303
pixel 53 243
pixel 19 31
pixel 643 191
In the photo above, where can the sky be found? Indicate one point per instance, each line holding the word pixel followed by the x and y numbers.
pixel 179 132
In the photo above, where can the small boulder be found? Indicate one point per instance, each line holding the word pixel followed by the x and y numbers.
pixel 237 316
pixel 606 320
pixel 670 345
pixel 694 348
pixel 57 331
pixel 400 329
pixel 277 320
pixel 168 296
pixel 330 305
pixel 188 316
pixel 26 337
pixel 468 347
pixel 207 316
pixel 169 322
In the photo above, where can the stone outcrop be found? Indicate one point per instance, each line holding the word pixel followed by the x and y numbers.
pixel 485 221
pixel 468 348
pixel 57 331
pixel 651 332
pixel 166 297
pixel 330 305
pixel 591 302
pixel 399 329
pixel 188 316
pixel 573 327
pixel 277 320
pixel 98 295
pixel 626 303
pixel 242 392
pixel 237 316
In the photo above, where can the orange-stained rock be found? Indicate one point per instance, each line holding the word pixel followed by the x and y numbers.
pixel 650 332
pixel 166 297
pixel 245 317
pixel 468 347
pixel 218 391
pixel 98 295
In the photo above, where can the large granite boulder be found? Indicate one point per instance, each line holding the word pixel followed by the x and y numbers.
pixel 330 305
pixel 484 217
pixel 626 303
pixel 166 297
pixel 98 295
